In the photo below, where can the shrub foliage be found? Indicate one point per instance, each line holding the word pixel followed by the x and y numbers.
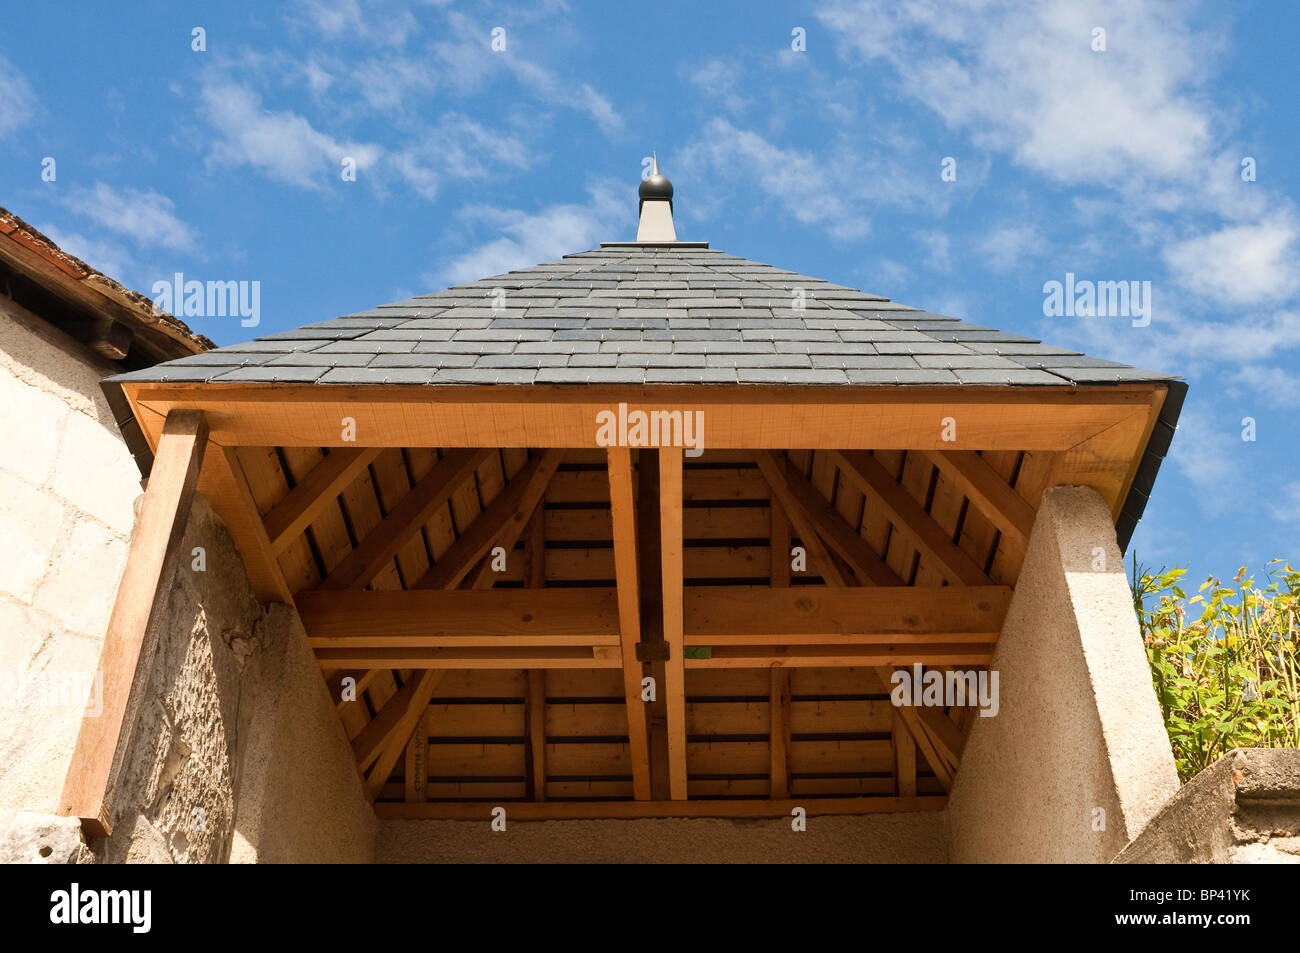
pixel 1224 661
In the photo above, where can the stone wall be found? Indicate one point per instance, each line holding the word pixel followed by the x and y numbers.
pixel 67 491
pixel 1077 759
pixel 236 750
pixel 1243 809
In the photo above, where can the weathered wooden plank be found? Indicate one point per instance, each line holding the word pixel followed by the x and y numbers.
pixel 126 658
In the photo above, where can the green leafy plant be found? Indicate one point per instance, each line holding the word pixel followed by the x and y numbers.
pixel 1224 661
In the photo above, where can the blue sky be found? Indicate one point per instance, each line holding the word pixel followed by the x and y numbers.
pixel 1122 164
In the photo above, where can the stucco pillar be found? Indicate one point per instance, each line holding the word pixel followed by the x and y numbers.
pixel 1077 759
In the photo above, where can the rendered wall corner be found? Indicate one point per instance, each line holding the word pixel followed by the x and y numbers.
pixel 1077 759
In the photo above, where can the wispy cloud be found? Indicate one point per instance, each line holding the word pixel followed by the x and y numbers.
pixel 17 100
pixel 838 189
pixel 1007 248
pixel 1022 78
pixel 147 218
pixel 457 148
pixel 281 144
pixel 526 238
pixel 1211 457
pixel 1241 264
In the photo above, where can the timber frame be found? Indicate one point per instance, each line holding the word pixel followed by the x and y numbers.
pixel 489 592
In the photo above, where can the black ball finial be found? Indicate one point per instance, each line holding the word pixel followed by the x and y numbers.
pixel 655 185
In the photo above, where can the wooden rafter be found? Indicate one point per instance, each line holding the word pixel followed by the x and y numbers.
pixel 293 514
pixel 370 743
pixel 996 499
pixel 506 515
pixel 957 653
pixel 943 769
pixel 867 475
pixel 405 519
pixel 814 517
pixel 624 534
pixel 674 689
pixel 224 485
pixel 423 686
pixel 132 634
pixel 904 747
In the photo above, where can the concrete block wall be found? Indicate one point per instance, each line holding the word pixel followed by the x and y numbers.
pixel 68 488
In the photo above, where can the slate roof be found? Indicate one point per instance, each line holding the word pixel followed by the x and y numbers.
pixel 642 314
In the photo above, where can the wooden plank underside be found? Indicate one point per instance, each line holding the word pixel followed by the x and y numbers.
pixel 783 418
pixel 596 810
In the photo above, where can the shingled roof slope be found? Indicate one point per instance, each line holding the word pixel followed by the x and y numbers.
pixel 646 314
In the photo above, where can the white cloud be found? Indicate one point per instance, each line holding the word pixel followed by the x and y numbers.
pixel 717 78
pixel 457 148
pixel 17 100
pixel 345 19
pixel 1240 264
pixel 283 145
pixel 1211 458
pixel 529 238
pixel 147 218
pixel 1008 247
pixel 1022 77
pixel 1286 509
pixel 837 188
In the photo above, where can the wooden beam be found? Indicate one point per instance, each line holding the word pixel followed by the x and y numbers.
pixel 674 689
pixel 449 618
pixel 947 738
pixel 624 529
pixel 535 726
pixel 595 810
pixel 779 734
pixel 289 518
pixel 650 586
pixel 562 656
pixel 416 781
pixel 125 662
pixel 484 577
pixel 417 702
pixel 370 743
pixel 779 536
pixel 751 417
pixel 500 523
pixel 909 517
pixel 225 486
pixel 757 615
pixel 904 756
pixel 993 496
pixel 965 654
pixel 813 515
pixel 943 769
pixel 405 519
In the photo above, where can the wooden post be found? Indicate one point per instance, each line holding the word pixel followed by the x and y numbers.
pixel 125 662
pixel 674 689
pixel 623 515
